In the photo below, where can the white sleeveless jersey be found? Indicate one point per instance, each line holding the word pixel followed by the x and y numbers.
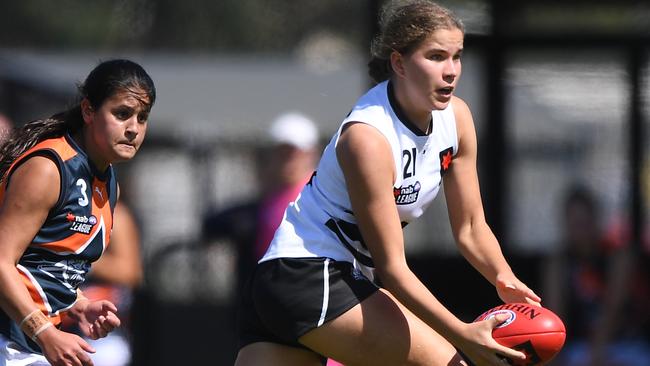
pixel 320 223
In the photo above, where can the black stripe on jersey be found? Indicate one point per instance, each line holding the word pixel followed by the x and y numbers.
pixel 351 231
pixel 311 179
pixel 402 116
pixel 112 189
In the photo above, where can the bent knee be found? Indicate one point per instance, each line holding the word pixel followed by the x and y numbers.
pixel 433 351
pixel 380 331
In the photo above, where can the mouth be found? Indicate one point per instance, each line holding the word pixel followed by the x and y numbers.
pixel 127 145
pixel 446 91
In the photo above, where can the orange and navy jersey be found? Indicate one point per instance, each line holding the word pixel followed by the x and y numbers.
pixel 76 230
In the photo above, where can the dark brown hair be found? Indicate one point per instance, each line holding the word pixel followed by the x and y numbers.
pixel 403 26
pixel 104 81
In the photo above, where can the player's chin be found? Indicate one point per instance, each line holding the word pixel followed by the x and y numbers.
pixel 124 153
pixel 440 101
pixel 440 104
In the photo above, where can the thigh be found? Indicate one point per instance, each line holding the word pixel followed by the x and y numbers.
pixel 291 296
pixel 381 331
pixel 273 354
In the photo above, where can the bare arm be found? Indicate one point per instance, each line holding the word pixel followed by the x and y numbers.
pixel 474 237
pixel 367 163
pixel 26 204
pixel 120 263
pixel 32 191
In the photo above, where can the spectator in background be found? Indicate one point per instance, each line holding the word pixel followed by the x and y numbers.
pixel 284 168
pixel 593 284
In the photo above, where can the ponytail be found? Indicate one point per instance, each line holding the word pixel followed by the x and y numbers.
pixel 379 69
pixel 32 133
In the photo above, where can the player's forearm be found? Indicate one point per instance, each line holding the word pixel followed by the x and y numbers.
pixel 14 297
pixel 79 307
pixel 479 246
pixel 411 292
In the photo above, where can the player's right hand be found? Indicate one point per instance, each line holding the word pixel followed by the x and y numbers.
pixel 479 346
pixel 64 349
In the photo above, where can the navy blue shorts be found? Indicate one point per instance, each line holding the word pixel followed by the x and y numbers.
pixel 287 297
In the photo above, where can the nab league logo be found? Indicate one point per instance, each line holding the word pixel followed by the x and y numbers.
pixel 81 224
pixel 407 195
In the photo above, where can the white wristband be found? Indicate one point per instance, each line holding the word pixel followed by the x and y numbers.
pixel 27 317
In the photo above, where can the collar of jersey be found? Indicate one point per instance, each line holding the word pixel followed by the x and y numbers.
pixel 96 172
pixel 399 112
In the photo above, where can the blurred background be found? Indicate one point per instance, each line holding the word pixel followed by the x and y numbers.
pixel 560 96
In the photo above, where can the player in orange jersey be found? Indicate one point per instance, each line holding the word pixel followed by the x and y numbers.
pixel 57 195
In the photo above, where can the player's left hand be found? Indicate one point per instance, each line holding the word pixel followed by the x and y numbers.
pixel 510 289
pixel 97 318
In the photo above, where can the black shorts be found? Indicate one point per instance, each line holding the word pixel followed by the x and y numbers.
pixel 287 297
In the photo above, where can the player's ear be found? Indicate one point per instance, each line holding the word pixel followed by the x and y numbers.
pixel 397 63
pixel 87 110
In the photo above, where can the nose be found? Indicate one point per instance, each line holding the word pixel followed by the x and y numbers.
pixel 450 71
pixel 132 128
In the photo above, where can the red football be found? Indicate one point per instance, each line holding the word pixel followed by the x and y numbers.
pixel 534 330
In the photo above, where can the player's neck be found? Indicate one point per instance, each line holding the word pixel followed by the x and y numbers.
pixel 420 118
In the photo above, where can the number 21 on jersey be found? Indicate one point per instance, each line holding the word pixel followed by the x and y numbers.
pixel 409 166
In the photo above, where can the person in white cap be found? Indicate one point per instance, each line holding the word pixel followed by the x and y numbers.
pixel 289 159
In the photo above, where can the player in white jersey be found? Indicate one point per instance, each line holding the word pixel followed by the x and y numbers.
pixel 313 294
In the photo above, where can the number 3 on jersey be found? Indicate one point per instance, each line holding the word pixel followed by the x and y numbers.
pixel 83 201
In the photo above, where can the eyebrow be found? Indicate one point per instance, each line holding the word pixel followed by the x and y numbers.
pixel 140 103
pixel 444 50
pixel 124 106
